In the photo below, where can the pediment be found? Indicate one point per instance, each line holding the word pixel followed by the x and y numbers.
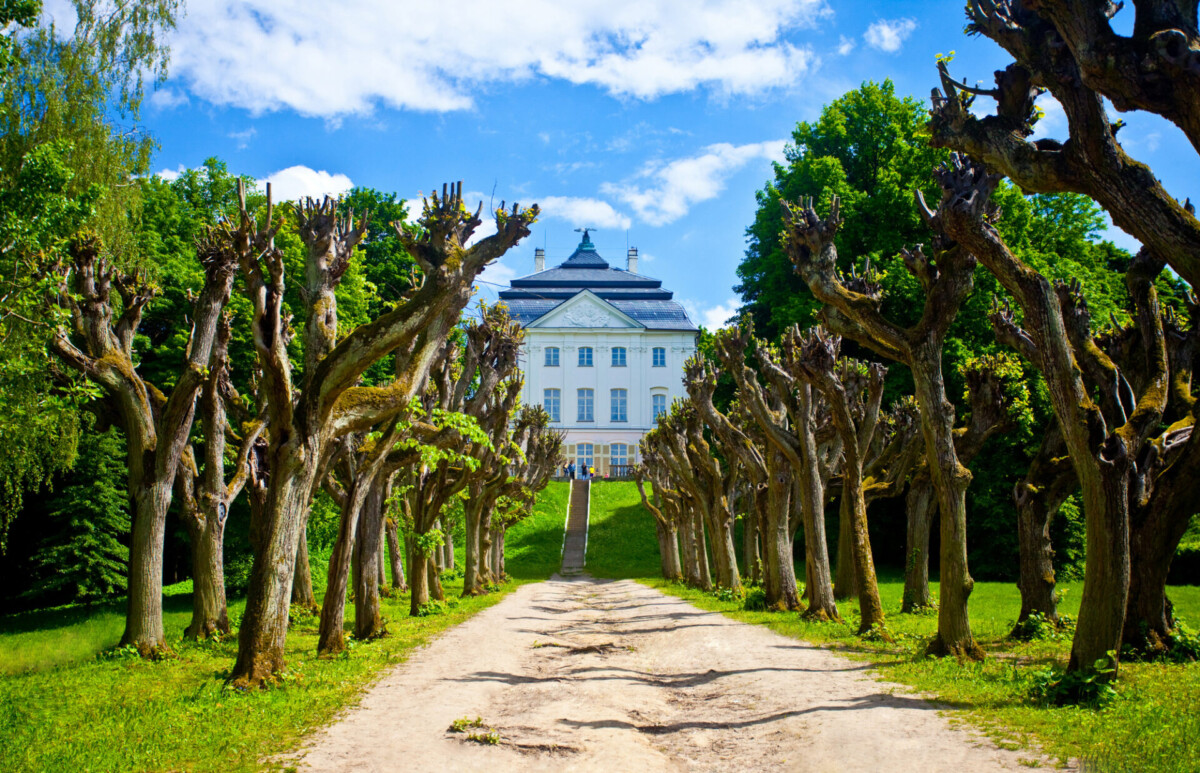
pixel 586 310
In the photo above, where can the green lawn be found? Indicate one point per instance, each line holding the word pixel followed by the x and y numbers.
pixel 1152 725
pixel 64 707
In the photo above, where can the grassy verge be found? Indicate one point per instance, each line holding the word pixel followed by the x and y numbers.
pixel 1152 724
pixel 69 702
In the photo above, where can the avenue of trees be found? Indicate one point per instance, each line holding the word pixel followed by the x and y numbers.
pixel 202 355
pixel 928 312
pixel 198 381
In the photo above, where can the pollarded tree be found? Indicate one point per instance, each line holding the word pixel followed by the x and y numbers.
pixel 303 425
pixel 777 463
pixel 541 448
pixel 852 309
pixel 1069 48
pixel 664 524
pixel 677 505
pixel 1038 497
pixel 206 495
pixel 1129 469
pixel 854 392
pixel 988 399
pixel 707 482
pixel 100 345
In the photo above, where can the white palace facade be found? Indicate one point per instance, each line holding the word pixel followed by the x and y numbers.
pixel 603 353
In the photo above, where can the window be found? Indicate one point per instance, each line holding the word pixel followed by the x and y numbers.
pixel 658 404
pixel 619 455
pixel 551 356
pixel 552 402
pixel 660 357
pixel 586 400
pixel 618 357
pixel 620 403
pixel 585 356
pixel 584 458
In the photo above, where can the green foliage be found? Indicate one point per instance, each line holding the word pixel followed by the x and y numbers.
pixel 1037 627
pixel 82 557
pixel 1054 686
pixel 868 148
pixel 755 601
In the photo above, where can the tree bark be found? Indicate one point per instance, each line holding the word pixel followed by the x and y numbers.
pixel 779 571
pixel 209 614
pixel 668 550
pixel 302 584
pixel 921 507
pixel 368 618
pixel 395 555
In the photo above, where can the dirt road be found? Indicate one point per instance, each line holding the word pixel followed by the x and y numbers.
pixel 586 674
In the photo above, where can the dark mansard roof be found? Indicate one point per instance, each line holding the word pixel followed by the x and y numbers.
pixel 641 297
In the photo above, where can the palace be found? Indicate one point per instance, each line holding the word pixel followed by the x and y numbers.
pixel 603 353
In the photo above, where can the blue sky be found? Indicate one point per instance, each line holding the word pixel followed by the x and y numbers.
pixel 654 122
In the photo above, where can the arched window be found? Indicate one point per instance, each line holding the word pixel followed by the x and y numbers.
pixel 584 458
pixel 585 356
pixel 551 356
pixel 552 402
pixel 660 357
pixel 618 357
pixel 586 405
pixel 620 405
pixel 658 406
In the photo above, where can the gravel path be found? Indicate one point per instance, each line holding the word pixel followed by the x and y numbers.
pixel 587 674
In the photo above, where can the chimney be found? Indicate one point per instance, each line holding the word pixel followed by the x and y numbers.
pixel 539 259
pixel 631 264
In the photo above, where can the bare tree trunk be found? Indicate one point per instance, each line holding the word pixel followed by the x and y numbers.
pixel 399 583
pixel 263 632
pixel 668 550
pixel 418 581
pixel 691 557
pixel 1036 578
pixel 921 506
pixel 331 638
pixel 368 619
pixel 302 584
pixel 498 553
pixel 1038 497
pixel 1155 536
pixel 209 613
pixel 845 585
pixel 472 515
pixel 448 549
pixel 706 582
pixel 870 607
pixel 750 545
pixel 779 571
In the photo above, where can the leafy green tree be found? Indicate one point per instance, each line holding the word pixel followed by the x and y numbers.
pixel 868 148
pixel 83 556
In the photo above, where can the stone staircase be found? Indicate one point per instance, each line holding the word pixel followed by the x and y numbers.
pixel 575 539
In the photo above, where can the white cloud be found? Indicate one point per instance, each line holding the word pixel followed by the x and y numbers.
pixel 670 189
pixel 1053 122
pixel 166 98
pixel 889 34
pixel 296 182
pixel 584 212
pixel 712 317
pixel 845 46
pixel 274 54
pixel 172 174
pixel 243 137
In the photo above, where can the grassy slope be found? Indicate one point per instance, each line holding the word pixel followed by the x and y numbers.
pixel 64 708
pixel 1153 725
